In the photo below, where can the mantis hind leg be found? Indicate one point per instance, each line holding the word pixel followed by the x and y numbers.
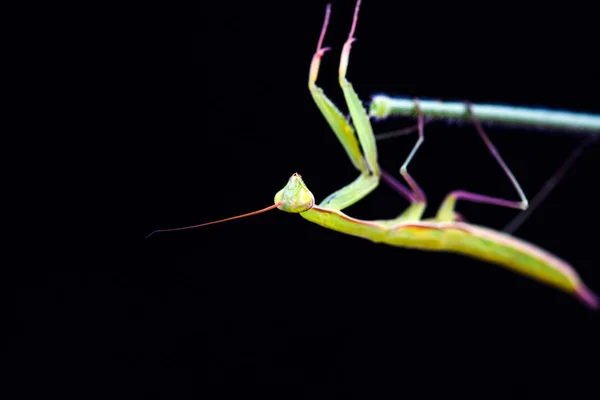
pixel 446 211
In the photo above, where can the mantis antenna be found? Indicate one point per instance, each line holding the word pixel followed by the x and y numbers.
pixel 219 221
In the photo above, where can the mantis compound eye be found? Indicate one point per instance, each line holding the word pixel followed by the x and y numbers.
pixel 295 196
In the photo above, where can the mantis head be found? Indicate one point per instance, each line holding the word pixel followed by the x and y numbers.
pixel 295 196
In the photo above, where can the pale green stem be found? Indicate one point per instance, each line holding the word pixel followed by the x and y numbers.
pixel 383 107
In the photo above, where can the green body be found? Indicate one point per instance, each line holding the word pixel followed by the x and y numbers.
pixel 456 237
pixel 444 232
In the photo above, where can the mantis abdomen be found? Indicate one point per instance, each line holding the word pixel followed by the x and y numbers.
pixel 515 254
pixel 470 240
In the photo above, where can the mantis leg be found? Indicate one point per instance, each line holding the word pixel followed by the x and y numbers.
pixel 359 115
pixel 417 191
pixel 364 129
pixel 368 178
pixel 549 186
pixel 336 120
pixel 414 212
pixel 446 211
pixel 367 165
pixel 417 198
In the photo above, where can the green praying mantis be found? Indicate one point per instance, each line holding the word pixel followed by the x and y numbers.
pixel 446 231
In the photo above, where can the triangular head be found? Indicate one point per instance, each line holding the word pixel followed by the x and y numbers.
pixel 295 196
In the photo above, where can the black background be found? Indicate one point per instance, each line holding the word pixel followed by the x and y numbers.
pixel 276 307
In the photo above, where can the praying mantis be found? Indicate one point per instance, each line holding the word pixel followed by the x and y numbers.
pixel 445 232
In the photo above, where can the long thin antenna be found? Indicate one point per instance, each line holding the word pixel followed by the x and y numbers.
pixel 549 186
pixel 219 221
